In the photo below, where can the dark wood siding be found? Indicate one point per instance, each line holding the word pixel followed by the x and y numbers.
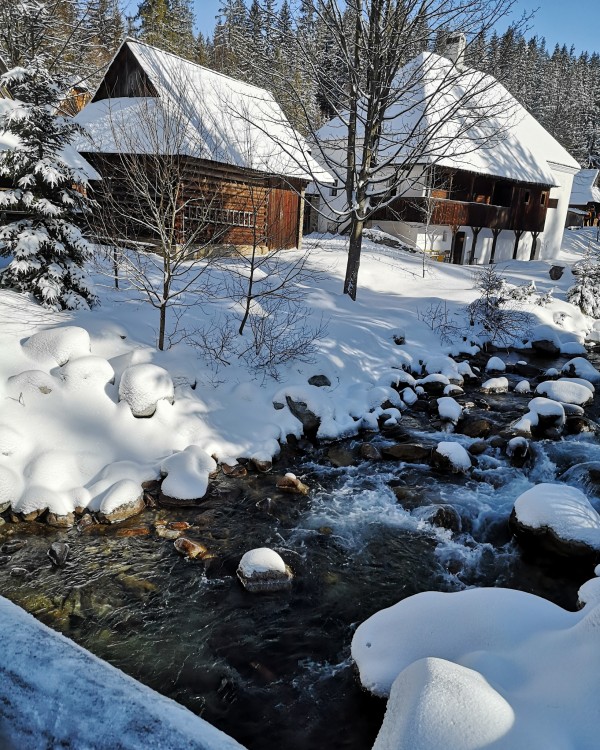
pixel 221 204
pixel 125 77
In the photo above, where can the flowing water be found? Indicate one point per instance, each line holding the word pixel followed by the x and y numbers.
pixel 274 670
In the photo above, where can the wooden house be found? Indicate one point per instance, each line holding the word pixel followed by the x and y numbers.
pixel 242 167
pixel 585 198
pixel 476 179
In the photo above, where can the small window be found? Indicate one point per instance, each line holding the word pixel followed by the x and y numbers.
pixel 543 197
pixel 526 197
pixel 334 189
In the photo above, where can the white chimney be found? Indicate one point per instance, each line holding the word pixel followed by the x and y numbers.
pixel 455 49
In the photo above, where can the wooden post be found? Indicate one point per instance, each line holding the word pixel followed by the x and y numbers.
pixel 495 233
pixel 518 234
pixel 475 231
pixel 535 236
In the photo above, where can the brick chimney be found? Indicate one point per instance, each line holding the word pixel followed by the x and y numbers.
pixel 455 49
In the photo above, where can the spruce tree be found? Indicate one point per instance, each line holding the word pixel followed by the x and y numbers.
pixel 45 245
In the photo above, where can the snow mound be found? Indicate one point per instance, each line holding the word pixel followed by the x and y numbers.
pixel 12 441
pixel 143 386
pixel 449 409
pixel 31 382
pixel 187 473
pixel 495 364
pixel 54 480
pixel 123 492
pixel 95 372
pixel 571 348
pixel 581 368
pixel 564 510
pixel 409 396
pixel 566 392
pixel 580 381
pixel 11 487
pixel 436 704
pixel 58 344
pixel 495 385
pixel 465 370
pixel 523 387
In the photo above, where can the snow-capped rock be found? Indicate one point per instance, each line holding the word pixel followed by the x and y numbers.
pixel 186 475
pixel 495 385
pixel 262 569
pixel 451 456
pixel 58 345
pixel 88 372
pixel 495 364
pixel 449 409
pixel 143 386
pixel 543 414
pixel 567 392
pixel 557 518
pixel 523 387
pixel 581 368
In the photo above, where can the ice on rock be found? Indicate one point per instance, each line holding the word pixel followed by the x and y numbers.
pixel 523 387
pixel 437 704
pixel 187 473
pixel 581 368
pixel 567 392
pixel 495 364
pixel 143 386
pixel 58 345
pixel 495 385
pixel 90 371
pixel 449 409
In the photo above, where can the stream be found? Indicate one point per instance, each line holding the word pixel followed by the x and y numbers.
pixel 273 670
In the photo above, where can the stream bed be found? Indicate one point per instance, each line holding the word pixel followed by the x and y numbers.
pixel 274 670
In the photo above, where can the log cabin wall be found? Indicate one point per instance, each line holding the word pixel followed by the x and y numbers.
pixel 125 77
pixel 220 204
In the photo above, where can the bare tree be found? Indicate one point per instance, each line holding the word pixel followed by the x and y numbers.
pixel 160 216
pixel 384 122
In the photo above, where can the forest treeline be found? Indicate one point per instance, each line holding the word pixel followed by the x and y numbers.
pixel 287 49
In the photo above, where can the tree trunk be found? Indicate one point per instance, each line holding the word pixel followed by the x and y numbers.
pixel 162 327
pixel 354 248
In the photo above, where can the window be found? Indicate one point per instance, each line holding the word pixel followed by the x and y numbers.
pixel 228 216
pixel 543 197
pixel 526 197
pixel 334 190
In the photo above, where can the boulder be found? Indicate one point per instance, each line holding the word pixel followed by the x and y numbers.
pixel 478 447
pixel 58 553
pixel 476 427
pixel 412 453
pixel 442 515
pixel 236 470
pixel 310 421
pixel 495 385
pixel 261 465
pixel 451 457
pixel 320 381
pixel 143 386
pixel 189 548
pixel 290 483
pixel 263 569
pixel 340 457
pixel 369 452
pixel 65 521
pixel 556 272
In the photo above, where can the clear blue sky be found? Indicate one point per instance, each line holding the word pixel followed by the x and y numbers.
pixel 574 22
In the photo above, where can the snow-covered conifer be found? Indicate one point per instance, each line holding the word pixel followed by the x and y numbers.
pixel 46 199
pixel 585 293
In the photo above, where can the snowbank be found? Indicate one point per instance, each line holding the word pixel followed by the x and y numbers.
pixel 483 668
pixel 53 693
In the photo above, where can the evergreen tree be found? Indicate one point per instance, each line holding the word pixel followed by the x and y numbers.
pixel 46 246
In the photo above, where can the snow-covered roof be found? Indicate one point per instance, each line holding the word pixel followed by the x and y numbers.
pixel 584 188
pixel 70 155
pixel 217 118
pixel 464 120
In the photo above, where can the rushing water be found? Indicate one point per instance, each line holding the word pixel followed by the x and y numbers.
pixel 274 670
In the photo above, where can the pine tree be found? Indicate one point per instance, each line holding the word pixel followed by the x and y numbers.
pixel 46 246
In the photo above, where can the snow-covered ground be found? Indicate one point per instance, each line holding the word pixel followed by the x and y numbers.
pixel 54 693
pixel 67 442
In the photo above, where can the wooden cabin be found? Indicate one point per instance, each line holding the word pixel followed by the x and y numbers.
pixel 585 199
pixel 465 172
pixel 241 169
